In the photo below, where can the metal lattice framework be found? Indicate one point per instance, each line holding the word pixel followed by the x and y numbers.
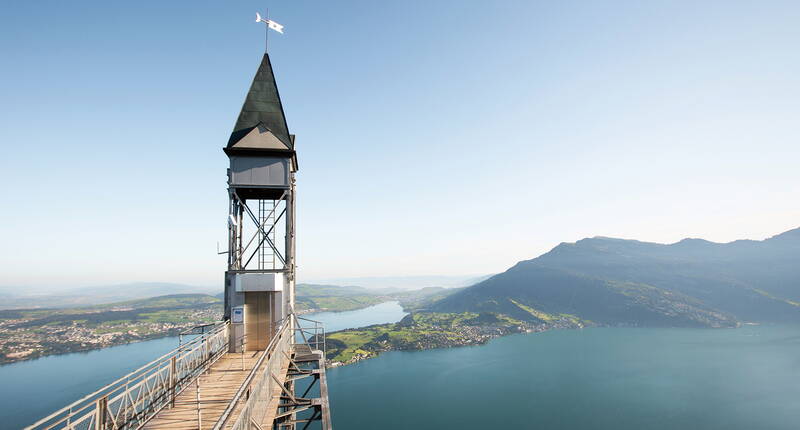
pixel 130 401
pixel 261 231
pixel 306 366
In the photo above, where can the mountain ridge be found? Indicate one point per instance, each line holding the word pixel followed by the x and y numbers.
pixel 692 282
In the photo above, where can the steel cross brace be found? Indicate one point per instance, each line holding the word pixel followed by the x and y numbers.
pixel 293 367
pixel 284 419
pixel 291 404
pixel 271 244
pixel 295 373
pixel 260 227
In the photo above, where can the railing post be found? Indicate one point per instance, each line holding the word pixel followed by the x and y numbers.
pixel 100 413
pixel 173 377
pixel 199 410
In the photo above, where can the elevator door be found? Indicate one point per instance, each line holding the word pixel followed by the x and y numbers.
pixel 258 316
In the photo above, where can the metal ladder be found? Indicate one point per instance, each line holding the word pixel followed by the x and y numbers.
pixel 266 215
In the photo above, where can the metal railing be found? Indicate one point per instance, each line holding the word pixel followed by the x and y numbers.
pixel 198 329
pixel 256 391
pixel 313 335
pixel 130 401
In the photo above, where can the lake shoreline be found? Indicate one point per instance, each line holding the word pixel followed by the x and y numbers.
pixel 477 342
pixel 91 348
pixel 481 339
pixel 67 348
pixel 326 310
pixel 428 330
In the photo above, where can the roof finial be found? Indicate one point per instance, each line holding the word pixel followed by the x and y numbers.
pixel 270 24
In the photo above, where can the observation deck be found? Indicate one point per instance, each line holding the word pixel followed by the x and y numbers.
pixel 202 386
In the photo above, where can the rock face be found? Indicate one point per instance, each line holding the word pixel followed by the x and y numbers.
pixel 625 282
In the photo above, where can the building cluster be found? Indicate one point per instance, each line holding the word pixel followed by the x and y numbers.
pixel 25 338
pixel 441 331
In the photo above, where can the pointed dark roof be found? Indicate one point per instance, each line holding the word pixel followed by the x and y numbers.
pixel 261 122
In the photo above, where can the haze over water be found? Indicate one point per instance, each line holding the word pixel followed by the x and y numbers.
pixel 602 378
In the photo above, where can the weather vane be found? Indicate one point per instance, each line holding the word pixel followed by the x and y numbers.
pixel 270 24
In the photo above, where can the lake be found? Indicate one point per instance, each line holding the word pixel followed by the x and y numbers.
pixel 29 390
pixel 378 314
pixel 600 378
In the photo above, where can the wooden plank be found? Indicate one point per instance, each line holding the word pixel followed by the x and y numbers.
pixel 216 388
pixel 195 410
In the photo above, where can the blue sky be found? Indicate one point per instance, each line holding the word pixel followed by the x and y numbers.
pixel 448 137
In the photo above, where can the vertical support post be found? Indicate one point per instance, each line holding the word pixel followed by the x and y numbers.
pixel 240 233
pixel 290 242
pixel 233 254
pixel 173 378
pixel 199 411
pixel 101 413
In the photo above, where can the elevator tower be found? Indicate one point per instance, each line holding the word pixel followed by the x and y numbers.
pixel 260 279
pixel 209 381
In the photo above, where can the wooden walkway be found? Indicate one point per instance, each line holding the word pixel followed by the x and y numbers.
pixel 201 404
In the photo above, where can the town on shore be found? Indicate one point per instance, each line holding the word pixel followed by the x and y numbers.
pixel 427 330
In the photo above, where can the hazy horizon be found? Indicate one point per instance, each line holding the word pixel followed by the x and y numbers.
pixel 371 282
pixel 433 138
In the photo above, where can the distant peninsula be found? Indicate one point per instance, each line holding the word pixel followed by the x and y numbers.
pixel 31 333
pixel 600 282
